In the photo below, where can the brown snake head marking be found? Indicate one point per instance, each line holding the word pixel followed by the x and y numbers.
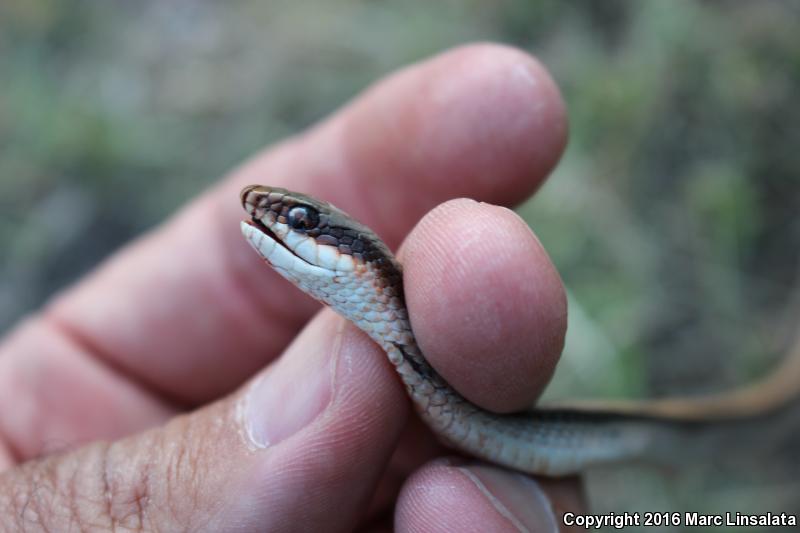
pixel 316 231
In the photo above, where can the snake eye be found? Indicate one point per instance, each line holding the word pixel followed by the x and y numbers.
pixel 302 217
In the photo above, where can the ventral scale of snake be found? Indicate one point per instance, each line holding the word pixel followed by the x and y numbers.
pixel 345 265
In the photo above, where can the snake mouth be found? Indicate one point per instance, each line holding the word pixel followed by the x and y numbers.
pixel 263 228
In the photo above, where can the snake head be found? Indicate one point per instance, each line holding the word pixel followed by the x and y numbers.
pixel 316 245
pixel 287 227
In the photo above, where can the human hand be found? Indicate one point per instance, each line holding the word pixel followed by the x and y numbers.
pixel 169 332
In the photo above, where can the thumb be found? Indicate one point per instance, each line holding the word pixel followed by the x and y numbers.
pixel 300 447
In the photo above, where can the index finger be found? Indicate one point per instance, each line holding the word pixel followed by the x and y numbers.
pixel 190 311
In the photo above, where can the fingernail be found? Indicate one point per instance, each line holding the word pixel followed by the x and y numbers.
pixel 295 389
pixel 517 497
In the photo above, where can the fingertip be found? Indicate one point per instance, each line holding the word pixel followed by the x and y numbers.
pixel 481 120
pixel 487 306
pixel 447 496
pixel 500 113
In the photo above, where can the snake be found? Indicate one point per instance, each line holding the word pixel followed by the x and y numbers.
pixel 345 265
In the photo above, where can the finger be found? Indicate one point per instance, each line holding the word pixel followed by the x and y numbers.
pixel 487 306
pixel 299 448
pixel 445 496
pixel 190 311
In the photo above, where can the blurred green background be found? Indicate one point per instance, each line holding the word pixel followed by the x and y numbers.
pixel 672 217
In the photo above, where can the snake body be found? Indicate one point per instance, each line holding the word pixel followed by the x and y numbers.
pixel 345 265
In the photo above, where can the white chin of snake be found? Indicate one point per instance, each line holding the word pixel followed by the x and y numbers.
pixel 280 257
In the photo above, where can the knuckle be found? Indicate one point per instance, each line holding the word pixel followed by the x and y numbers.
pixel 156 481
pixel 156 478
pixel 22 499
pixel 123 480
pixel 176 474
pixel 55 493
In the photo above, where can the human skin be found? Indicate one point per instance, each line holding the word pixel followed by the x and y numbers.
pixel 183 385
